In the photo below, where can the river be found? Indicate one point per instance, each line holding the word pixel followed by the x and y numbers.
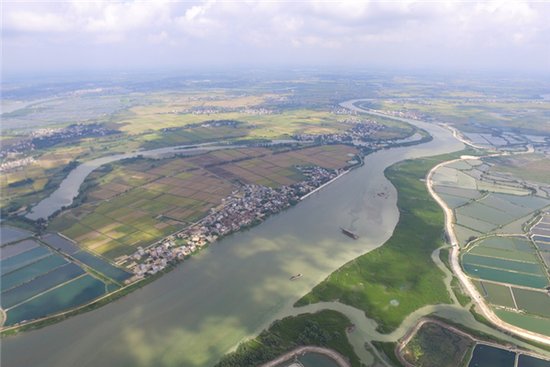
pixel 70 186
pixel 202 309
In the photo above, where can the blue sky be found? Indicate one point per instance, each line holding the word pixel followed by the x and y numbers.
pixel 87 35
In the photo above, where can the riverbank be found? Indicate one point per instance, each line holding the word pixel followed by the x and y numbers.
pixel 394 280
pixel 213 302
pixel 333 355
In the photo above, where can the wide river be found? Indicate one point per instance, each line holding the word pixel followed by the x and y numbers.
pixel 202 309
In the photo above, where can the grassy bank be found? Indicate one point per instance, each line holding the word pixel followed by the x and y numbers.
pixel 325 329
pixel 399 277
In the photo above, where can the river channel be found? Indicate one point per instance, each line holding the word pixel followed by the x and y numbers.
pixel 203 308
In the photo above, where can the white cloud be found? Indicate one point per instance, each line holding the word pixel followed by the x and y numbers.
pixel 279 30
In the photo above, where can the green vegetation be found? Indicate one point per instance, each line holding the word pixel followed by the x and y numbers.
pixel 528 322
pixel 399 277
pixel 325 328
pixel 461 297
pixel 434 345
pixel 388 350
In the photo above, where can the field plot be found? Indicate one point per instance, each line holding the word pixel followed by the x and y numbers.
pixel 137 202
pixel 534 323
pixel 496 294
pixel 486 356
pixel 485 200
pixel 434 345
pixel 536 303
pixel 508 260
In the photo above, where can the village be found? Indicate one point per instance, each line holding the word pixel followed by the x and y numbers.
pixel 360 132
pixel 245 207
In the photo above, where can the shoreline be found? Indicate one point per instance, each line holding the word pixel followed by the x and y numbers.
pixel 325 184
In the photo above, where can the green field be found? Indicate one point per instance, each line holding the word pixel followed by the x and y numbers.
pixel 537 303
pixel 509 248
pixel 434 345
pixel 399 277
pixel 496 294
pixel 532 323
pixel 325 328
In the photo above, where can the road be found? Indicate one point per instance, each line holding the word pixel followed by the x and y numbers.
pixel 472 291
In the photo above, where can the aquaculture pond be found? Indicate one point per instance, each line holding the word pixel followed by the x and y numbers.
pixel 10 234
pixel 488 356
pixel 40 284
pixel 75 293
pixel 102 266
pixel 529 361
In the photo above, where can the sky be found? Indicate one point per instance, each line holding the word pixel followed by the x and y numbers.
pixel 129 35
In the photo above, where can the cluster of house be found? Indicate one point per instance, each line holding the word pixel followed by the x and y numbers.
pixel 42 138
pixel 361 130
pixel 214 110
pixel 11 165
pixel 246 206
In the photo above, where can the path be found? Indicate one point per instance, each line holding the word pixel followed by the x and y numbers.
pixel 335 356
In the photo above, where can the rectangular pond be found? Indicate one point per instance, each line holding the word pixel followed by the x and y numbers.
pixel 102 266
pixel 31 271
pixel 75 293
pixel 40 284
pixel 488 356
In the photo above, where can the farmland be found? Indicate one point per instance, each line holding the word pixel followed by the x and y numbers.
pixel 138 202
pixel 43 276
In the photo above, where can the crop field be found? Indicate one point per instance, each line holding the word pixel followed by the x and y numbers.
pixel 536 303
pixel 434 345
pixel 37 281
pixel 528 117
pixel 496 294
pixel 140 201
pixel 533 167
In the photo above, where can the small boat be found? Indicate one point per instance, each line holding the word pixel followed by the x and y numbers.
pixel 349 233
pixel 297 276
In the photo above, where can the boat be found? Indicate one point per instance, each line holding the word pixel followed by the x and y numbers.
pixel 297 276
pixel 349 233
